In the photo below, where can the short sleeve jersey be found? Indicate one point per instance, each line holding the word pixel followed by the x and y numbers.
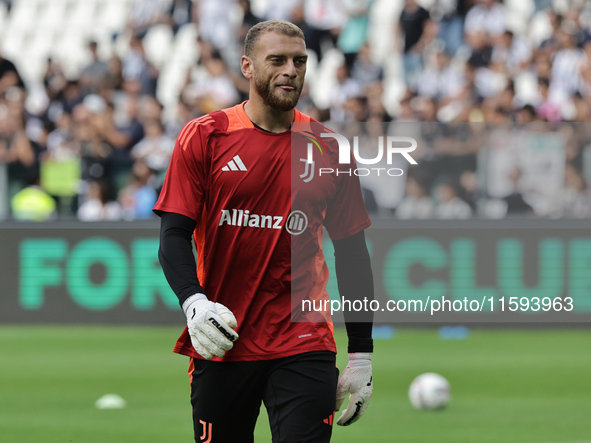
pixel 235 180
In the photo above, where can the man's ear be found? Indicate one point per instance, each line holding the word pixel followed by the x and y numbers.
pixel 246 66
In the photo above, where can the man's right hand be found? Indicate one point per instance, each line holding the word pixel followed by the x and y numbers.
pixel 210 326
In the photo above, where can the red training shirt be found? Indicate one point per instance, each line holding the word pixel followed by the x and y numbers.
pixel 256 218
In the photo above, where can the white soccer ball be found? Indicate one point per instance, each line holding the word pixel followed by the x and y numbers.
pixel 429 391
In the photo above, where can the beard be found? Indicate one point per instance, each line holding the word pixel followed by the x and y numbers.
pixel 274 99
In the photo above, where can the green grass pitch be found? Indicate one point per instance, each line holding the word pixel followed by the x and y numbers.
pixel 522 386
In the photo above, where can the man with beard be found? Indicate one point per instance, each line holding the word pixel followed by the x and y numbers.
pixel 229 186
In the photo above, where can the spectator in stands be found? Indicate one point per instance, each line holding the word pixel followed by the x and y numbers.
pixel 121 130
pixel 138 73
pixel 355 30
pixel 376 112
pixel 138 198
pixel 452 14
pixel 485 23
pixel 577 199
pixel 417 30
pixel 143 15
pixel 586 70
pixel 214 21
pixel 355 109
pixel 95 153
pixel 249 19
pixel 114 79
pixel 416 203
pixel 545 108
pixel 345 89
pixel 71 96
pixel 572 16
pixel 60 141
pixel 542 66
pixel 565 77
pixel 527 114
pixel 550 45
pixel 9 75
pixel 99 204
pixel 149 108
pixel 413 22
pixel 364 70
pixel 16 150
pixel 512 54
pixel 440 81
pixel 180 13
pixel 183 113
pixel 92 77
pixel 155 148
pixel 124 130
pixel 214 88
pixel 449 205
pixel 325 19
pixel 516 203
pixel 582 108
pixel 54 81
pixel 470 190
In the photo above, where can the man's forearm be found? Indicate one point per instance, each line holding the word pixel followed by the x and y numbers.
pixel 355 282
pixel 176 255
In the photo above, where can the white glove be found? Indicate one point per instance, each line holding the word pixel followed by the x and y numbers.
pixel 356 380
pixel 210 326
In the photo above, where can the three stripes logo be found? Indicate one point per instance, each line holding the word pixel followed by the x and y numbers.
pixel 329 421
pixel 235 165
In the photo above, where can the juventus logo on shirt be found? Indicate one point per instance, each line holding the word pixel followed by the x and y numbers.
pixel 235 165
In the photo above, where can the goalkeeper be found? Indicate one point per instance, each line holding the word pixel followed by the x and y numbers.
pixel 229 189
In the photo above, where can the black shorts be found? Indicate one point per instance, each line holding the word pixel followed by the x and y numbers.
pixel 299 393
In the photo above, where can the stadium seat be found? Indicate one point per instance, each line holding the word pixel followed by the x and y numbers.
pixel 326 78
pixel 171 80
pixel 81 14
pixel 12 42
pixel 157 43
pixel 526 87
pixel 518 13
pixel 540 28
pixel 394 89
pixel 24 14
pixel 112 15
pixel 53 14
pixel 185 42
pixel 3 20
pixel 70 50
pixel 311 69
pixel 384 17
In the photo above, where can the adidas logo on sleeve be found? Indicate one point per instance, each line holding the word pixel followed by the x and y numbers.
pixel 235 165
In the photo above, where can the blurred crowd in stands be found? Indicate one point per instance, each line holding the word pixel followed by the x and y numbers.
pixel 97 146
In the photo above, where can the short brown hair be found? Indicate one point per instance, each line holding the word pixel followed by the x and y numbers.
pixel 279 26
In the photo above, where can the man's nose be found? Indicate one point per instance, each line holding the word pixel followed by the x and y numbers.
pixel 290 69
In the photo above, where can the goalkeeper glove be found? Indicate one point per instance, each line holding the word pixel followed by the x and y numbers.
pixel 356 380
pixel 210 326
